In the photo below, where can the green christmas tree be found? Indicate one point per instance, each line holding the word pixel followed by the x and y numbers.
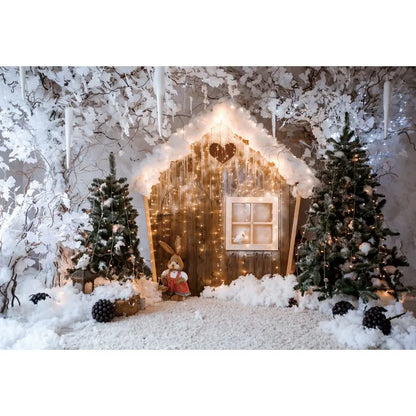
pixel 346 251
pixel 111 246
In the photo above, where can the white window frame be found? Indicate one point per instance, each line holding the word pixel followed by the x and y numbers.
pixel 230 245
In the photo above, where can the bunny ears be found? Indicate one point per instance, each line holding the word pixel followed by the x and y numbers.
pixel 169 249
pixel 175 255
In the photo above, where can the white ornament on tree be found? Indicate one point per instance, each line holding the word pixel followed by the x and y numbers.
pixel 190 104
pixel 69 120
pixel 159 90
pixel 365 248
pixel 386 105
pixel 22 73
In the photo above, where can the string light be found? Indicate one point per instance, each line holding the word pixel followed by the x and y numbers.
pixel 179 196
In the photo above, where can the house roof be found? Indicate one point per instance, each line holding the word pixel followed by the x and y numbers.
pixel 239 120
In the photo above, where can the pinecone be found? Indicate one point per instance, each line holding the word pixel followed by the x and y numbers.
pixel 292 302
pixel 35 298
pixel 375 309
pixel 375 318
pixel 385 326
pixel 342 307
pixel 103 310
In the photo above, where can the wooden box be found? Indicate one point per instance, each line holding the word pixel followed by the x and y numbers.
pixel 126 307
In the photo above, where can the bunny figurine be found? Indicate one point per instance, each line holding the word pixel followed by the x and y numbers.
pixel 174 278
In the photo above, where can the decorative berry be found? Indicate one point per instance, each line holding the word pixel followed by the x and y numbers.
pixel 385 326
pixel 292 302
pixel 35 298
pixel 342 307
pixel 103 310
pixel 375 318
pixel 375 309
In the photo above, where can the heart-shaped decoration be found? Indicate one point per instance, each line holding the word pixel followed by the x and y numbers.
pixel 222 153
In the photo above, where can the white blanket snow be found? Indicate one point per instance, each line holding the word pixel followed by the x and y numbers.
pixel 208 324
pixel 250 313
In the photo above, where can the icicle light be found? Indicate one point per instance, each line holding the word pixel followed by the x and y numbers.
pixel 386 105
pixel 159 90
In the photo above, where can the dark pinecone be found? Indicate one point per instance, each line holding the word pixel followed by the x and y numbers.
pixel 35 298
pixel 342 307
pixel 103 311
pixel 292 302
pixel 385 327
pixel 375 309
pixel 375 318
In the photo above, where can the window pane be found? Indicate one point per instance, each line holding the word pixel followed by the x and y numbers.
pixel 262 234
pixel 241 234
pixel 262 212
pixel 241 213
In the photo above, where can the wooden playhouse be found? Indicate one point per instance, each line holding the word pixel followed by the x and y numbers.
pixel 224 189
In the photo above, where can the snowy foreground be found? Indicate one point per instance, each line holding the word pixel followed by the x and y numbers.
pixel 249 314
pixel 199 323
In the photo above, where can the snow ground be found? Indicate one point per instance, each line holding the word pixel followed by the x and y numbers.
pixel 248 314
pixel 208 324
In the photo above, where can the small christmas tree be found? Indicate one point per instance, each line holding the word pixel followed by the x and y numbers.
pixel 111 246
pixel 346 251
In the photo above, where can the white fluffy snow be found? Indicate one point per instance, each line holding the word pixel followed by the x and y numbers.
pixel 39 326
pixel 349 332
pixel 250 313
pixel 83 262
pixel 205 324
pixel 268 291
pixel 240 122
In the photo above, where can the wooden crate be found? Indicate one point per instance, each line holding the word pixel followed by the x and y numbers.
pixel 126 307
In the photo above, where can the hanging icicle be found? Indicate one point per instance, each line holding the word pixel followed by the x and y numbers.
pixel 184 96
pixel 22 73
pixel 159 90
pixel 386 105
pixel 190 104
pixel 69 119
pixel 274 124
pixel 204 89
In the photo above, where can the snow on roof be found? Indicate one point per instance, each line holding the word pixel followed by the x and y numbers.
pixel 239 120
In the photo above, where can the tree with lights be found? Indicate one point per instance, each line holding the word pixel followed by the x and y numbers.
pixel 346 252
pixel 112 244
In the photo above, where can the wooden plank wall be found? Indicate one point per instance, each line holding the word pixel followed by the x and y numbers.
pixel 189 201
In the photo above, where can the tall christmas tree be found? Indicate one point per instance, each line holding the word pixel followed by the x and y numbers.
pixel 111 246
pixel 346 251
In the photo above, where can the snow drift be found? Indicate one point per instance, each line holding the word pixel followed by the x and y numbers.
pixel 39 326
